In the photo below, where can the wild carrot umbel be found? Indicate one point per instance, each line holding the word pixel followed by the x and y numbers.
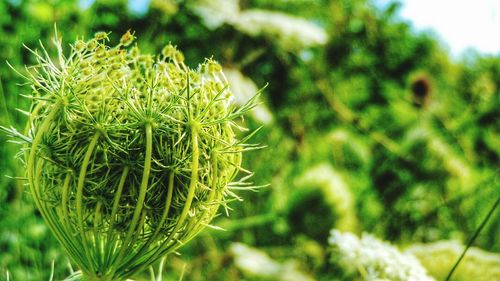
pixel 129 155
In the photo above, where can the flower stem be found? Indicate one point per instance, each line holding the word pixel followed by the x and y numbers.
pixel 473 238
pixel 79 197
pixel 141 198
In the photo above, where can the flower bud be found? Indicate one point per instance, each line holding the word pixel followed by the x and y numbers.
pixel 101 36
pixel 79 46
pixel 125 162
pixel 127 38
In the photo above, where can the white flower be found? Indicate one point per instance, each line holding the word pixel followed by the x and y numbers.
pixel 377 259
pixel 292 33
pixel 243 89
pixel 215 13
pixel 255 263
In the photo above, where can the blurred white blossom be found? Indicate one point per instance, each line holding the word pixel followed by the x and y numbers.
pixel 375 259
pixel 255 263
pixel 215 13
pixel 291 32
pixel 243 89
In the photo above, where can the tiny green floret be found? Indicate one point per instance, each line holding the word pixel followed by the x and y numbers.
pixel 128 155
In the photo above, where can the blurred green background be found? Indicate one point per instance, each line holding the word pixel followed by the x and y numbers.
pixel 369 127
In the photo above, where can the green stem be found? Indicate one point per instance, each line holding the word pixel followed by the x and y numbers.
pixel 79 197
pixel 33 179
pixel 167 246
pixel 192 184
pixel 110 242
pixel 142 195
pixel 116 199
pixel 97 241
pixel 473 238
pixel 64 202
pixel 53 219
pixel 163 218
pixel 194 180
pixel 209 212
pixel 32 154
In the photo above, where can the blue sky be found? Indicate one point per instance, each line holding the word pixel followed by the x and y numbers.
pixel 460 25
pixel 137 6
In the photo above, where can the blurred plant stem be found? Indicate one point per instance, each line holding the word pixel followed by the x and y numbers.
pixel 250 57
pixel 248 222
pixel 473 237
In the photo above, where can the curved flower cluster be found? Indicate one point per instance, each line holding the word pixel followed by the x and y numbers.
pixel 335 192
pixel 129 155
pixel 375 259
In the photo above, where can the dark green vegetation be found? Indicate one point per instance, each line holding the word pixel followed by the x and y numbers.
pixel 374 129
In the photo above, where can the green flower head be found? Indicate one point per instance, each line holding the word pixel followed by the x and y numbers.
pixel 129 155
